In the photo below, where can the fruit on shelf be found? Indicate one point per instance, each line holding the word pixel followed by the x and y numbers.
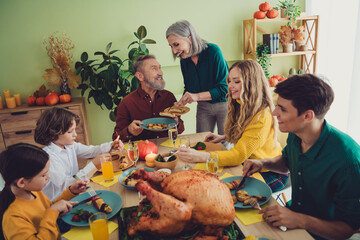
pixel 259 15
pixel 282 79
pixel 276 76
pixel 51 99
pixel 65 98
pixel 273 13
pixel 264 6
pixel 30 101
pixel 40 101
pixel 273 82
pixel 301 71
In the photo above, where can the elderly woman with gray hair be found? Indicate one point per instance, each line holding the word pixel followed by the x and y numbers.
pixel 204 70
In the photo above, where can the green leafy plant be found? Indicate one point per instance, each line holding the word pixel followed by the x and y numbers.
pixel 292 11
pixel 263 58
pixel 109 81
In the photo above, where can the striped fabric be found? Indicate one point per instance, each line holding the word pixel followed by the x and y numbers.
pixel 276 181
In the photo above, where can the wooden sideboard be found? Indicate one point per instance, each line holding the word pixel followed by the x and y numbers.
pixel 18 124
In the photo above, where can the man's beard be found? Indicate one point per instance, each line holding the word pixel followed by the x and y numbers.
pixel 155 84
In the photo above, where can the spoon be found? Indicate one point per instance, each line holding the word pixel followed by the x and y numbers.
pixel 167 158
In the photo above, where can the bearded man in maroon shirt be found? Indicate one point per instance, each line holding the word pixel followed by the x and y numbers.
pixel 147 101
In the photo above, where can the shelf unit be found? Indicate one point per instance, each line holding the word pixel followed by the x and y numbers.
pixel 18 124
pixel 308 58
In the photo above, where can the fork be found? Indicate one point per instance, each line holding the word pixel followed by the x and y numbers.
pixel 254 203
pixel 89 189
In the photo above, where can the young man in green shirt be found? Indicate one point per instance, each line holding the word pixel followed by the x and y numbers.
pixel 324 163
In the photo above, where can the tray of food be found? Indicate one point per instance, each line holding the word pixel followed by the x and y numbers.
pixel 174 111
pixel 120 162
pixel 127 215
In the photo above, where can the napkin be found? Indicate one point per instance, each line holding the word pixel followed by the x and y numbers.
pixel 202 166
pixel 248 216
pixel 84 233
pixel 100 180
pixel 168 143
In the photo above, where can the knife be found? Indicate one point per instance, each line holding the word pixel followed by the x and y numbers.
pixel 86 200
pixel 242 182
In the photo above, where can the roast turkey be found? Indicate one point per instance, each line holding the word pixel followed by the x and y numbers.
pixel 182 201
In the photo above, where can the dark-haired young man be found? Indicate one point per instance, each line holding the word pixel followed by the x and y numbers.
pixel 324 163
pixel 147 101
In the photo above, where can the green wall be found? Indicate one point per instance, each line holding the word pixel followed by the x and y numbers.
pixel 91 24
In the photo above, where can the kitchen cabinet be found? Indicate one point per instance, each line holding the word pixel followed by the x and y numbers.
pixel 18 124
pixel 252 27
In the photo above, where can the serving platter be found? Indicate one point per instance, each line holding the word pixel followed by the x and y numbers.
pixel 209 146
pixel 158 120
pixel 110 198
pixel 253 187
pixel 117 164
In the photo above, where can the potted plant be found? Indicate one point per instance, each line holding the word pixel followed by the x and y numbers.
pixel 263 58
pixel 299 38
pixel 286 38
pixel 290 10
pixel 110 81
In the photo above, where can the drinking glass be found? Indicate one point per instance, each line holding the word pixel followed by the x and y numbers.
pixel 99 226
pixel 212 163
pixel 107 168
pixel 185 143
pixel 173 132
pixel 133 152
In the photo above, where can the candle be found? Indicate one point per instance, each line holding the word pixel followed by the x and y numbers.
pixel 10 102
pixel 17 99
pixel 1 103
pixel 150 159
pixel 6 94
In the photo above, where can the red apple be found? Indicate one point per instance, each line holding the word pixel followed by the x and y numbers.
pixel 31 100
pixel 51 99
pixel 40 101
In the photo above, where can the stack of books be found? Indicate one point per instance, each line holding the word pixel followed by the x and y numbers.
pixel 272 40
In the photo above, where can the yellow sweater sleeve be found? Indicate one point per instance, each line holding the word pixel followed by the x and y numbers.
pixel 31 219
pixel 256 142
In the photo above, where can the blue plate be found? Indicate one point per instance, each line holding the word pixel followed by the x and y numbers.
pixel 128 172
pixel 160 120
pixel 253 187
pixel 110 198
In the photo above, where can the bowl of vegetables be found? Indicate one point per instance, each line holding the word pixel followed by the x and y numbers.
pixel 166 160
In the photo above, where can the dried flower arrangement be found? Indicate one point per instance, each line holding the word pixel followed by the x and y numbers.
pixel 299 33
pixel 286 35
pixel 59 50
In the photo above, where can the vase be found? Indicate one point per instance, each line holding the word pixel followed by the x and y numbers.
pixel 299 46
pixel 283 12
pixel 287 48
pixel 64 87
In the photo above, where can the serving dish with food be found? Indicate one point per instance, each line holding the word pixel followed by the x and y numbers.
pixel 105 201
pixel 174 111
pixel 253 188
pixel 157 124
pixel 120 162
pixel 129 177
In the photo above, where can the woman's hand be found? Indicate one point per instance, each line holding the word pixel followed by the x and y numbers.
pixel 97 162
pixel 191 155
pixel 63 206
pixel 214 138
pixel 252 166
pixel 79 186
pixel 188 98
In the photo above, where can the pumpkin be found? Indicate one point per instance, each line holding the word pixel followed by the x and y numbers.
pixel 264 6
pixel 51 99
pixel 146 147
pixel 259 15
pixel 273 13
pixel 65 98
pixel 31 100
pixel 40 101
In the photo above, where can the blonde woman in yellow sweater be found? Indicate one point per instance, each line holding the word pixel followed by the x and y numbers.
pixel 249 124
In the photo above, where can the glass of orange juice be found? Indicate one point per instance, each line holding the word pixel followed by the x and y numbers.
pixel 99 226
pixel 107 168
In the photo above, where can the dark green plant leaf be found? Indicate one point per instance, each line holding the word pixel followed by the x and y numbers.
pixel 141 32
pixel 91 95
pixel 90 62
pixel 132 52
pixel 100 53
pixel 136 35
pixel 148 41
pixel 132 43
pixel 78 67
pixel 108 47
pixel 98 98
pixel 134 83
pixel 117 59
pixel 113 51
pixel 112 116
pixel 84 57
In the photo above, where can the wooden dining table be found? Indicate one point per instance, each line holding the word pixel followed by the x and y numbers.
pixel 260 229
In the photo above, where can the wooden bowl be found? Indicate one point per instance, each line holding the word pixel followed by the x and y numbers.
pixel 169 165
